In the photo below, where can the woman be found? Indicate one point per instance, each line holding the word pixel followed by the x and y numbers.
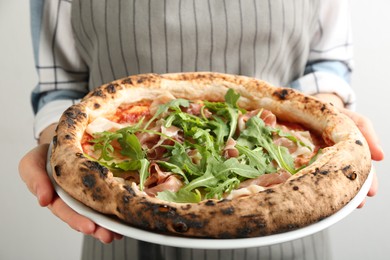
pixel 79 45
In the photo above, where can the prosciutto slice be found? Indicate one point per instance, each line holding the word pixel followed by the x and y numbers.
pixel 267 180
pixel 160 180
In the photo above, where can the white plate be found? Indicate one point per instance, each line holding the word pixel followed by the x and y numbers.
pixel 199 243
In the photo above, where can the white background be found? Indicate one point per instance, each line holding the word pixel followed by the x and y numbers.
pixel 30 232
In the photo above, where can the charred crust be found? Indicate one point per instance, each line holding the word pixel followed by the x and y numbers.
pixel 55 140
pixel 282 94
pixel 244 231
pixel 324 172
pixel 295 188
pixel 269 191
pixel 96 105
pixel 358 142
pixel 97 195
pixel 183 225
pixel 89 181
pixel 323 108
pixel 96 167
pixel 73 115
pixel 316 171
pixel 127 81
pixel 111 88
pixel 98 93
pixel 80 155
pixel 352 176
pixel 227 211
pixel 57 170
pixel 161 226
pixel 346 169
pixel 68 137
pixel 164 210
pixel 180 226
pixel 130 190
pixel 210 203
pixel 126 199
pixel 349 172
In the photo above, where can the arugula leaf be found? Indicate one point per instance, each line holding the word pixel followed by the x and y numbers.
pixel 102 142
pixel 234 166
pixel 181 159
pixel 222 187
pixel 231 98
pixel 220 130
pixel 131 146
pixel 174 104
pixel 174 168
pixel 143 173
pixel 258 132
pixel 256 157
pixel 181 196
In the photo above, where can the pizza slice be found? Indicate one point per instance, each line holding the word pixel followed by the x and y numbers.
pixel 193 153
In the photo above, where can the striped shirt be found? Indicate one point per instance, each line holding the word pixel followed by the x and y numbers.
pixel 81 44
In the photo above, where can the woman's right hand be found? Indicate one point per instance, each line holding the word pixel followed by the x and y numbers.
pixel 32 170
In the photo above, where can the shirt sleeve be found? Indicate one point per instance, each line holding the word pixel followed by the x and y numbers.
pixel 62 74
pixel 331 55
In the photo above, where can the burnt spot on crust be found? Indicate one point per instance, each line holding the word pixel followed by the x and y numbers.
pixel 346 168
pixel 89 181
pixel 323 108
pixel 161 226
pixel 282 94
pixel 97 195
pixel 352 176
pixel 72 115
pixel 126 199
pixel 244 231
pixel 80 155
pixel 98 93
pixel 227 211
pixel 57 170
pixel 358 142
pixel 318 171
pixel 253 225
pixel 55 139
pixel 180 226
pixel 349 172
pixel 210 203
pixel 96 167
pixel 129 190
pixel 111 88
pixel 295 188
pixel 324 172
pixel 164 210
pixel 96 105
pixel 127 81
pixel 68 137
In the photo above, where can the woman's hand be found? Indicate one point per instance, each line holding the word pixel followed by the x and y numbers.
pixel 367 129
pixel 32 169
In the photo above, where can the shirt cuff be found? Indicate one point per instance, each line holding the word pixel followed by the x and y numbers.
pixel 50 114
pixel 326 82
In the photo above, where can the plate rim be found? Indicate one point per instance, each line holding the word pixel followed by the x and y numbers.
pixel 208 243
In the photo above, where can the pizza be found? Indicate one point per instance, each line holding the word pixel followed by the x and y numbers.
pixel 208 155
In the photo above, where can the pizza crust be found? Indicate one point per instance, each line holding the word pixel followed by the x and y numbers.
pixel 312 194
